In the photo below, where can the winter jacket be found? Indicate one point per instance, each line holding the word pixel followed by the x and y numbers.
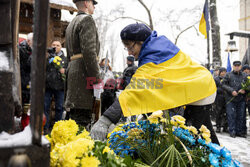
pixel 232 82
pixel 81 38
pixel 220 90
pixel 127 74
pixel 220 97
pixel 25 64
pixel 54 78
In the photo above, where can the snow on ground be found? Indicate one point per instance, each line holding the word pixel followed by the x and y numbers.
pixel 4 63
pixel 239 147
pixel 18 139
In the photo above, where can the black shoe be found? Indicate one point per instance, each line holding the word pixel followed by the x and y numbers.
pixel 225 130
pixel 242 135
pixel 232 135
pixel 218 130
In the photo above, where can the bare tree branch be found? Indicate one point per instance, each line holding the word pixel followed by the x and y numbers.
pixel 183 32
pixel 149 14
pixel 124 17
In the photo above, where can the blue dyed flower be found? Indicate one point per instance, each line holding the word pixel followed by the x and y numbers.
pixel 237 163
pixel 226 153
pixel 51 60
pixel 226 163
pixel 213 159
pixel 215 148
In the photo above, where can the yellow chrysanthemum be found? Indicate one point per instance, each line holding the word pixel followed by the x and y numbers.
pixel 183 126
pixel 208 140
pixel 84 134
pixel 58 63
pixel 204 129
pixel 163 120
pixel 174 123
pixel 153 120
pixel 64 131
pixel 90 161
pixel 75 150
pixel 55 60
pixel 248 77
pixel 156 114
pixel 179 119
pixel 58 58
pixel 106 149
pixel 55 155
pixel 193 130
pixel 206 135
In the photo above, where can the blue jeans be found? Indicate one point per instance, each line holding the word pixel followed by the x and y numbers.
pixel 235 117
pixel 59 99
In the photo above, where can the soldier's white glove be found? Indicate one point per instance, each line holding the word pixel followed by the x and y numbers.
pixel 100 129
pixel 98 89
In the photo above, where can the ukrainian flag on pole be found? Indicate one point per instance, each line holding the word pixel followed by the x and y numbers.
pixel 204 26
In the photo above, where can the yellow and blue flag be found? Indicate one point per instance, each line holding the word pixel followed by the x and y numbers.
pixel 204 26
pixel 166 78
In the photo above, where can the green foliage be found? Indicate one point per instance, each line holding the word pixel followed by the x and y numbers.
pixel 109 159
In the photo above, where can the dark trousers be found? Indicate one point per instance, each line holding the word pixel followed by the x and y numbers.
pixel 82 117
pixel 221 116
pixel 59 99
pixel 198 116
pixel 236 115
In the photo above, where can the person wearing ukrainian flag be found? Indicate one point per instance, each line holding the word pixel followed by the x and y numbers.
pixel 166 78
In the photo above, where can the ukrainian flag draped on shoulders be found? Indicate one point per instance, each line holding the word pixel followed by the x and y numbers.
pixel 166 78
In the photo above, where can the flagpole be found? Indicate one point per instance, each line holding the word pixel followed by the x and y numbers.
pixel 208 51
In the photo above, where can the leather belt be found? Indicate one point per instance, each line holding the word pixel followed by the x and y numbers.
pixel 75 57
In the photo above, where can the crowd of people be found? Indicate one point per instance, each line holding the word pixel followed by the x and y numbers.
pixel 70 80
pixel 231 101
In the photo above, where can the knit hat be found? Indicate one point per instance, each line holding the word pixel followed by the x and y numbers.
pixel 245 67
pixel 221 69
pixel 131 58
pixel 135 32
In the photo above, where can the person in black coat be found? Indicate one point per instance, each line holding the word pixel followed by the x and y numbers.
pixel 235 100
pixel 129 71
pixel 54 83
pixel 25 51
pixel 220 104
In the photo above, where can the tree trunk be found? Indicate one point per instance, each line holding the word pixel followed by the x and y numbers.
pixel 215 27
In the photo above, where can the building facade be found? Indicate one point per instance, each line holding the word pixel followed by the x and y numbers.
pixel 244 25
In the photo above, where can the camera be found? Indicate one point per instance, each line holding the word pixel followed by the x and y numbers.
pixel 51 51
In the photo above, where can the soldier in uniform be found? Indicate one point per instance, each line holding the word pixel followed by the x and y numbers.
pixel 83 46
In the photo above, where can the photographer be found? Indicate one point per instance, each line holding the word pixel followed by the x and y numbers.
pixel 55 72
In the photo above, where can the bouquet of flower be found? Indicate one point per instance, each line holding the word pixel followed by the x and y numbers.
pixel 246 86
pixel 161 141
pixel 57 62
pixel 72 146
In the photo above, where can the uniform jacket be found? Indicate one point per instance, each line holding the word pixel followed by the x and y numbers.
pixel 81 38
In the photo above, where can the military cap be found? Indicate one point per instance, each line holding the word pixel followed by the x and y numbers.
pixel 135 32
pixel 237 63
pixel 94 2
